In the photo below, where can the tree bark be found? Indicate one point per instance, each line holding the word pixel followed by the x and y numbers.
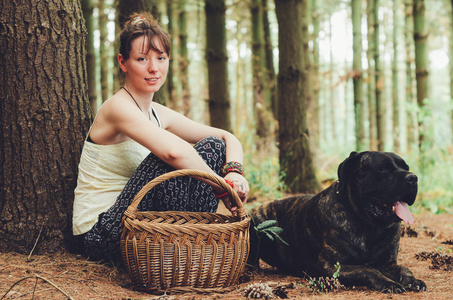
pixel 411 101
pixel 451 65
pixel 421 60
pixel 263 119
pixel 315 108
pixel 358 74
pixel 44 116
pixel 183 58
pixel 269 66
pixel 217 59
pixel 87 7
pixel 379 80
pixel 395 73
pixel 295 155
pixel 103 51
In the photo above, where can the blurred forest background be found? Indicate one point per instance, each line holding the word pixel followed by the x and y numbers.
pixel 301 83
pixel 378 77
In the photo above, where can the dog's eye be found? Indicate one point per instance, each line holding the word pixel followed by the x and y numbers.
pixel 383 170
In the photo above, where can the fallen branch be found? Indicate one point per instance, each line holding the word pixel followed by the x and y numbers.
pixel 36 242
pixel 42 278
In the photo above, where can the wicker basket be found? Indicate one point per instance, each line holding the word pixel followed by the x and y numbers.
pixel 174 249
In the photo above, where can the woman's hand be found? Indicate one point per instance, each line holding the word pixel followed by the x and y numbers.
pixel 240 185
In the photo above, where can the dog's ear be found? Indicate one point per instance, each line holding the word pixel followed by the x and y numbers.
pixel 342 169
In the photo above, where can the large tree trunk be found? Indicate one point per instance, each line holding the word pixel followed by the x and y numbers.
pixel 295 155
pixel 44 116
pixel 421 59
pixel 358 74
pixel 217 59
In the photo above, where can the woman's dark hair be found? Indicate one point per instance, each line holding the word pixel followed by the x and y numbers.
pixel 143 24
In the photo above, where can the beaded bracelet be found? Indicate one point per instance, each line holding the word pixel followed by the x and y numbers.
pixel 232 166
pixel 230 183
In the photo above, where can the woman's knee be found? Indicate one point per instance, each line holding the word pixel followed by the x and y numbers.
pixel 213 141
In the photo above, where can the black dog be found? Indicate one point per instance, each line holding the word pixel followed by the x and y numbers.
pixel 356 222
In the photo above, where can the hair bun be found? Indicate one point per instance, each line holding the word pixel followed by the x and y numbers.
pixel 138 19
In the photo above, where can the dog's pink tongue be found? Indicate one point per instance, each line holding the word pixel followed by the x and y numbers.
pixel 402 211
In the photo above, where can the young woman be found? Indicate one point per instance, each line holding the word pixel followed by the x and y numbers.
pixel 133 140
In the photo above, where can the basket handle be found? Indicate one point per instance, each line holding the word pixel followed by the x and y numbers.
pixel 240 212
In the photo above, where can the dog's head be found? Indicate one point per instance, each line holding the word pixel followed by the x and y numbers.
pixel 378 187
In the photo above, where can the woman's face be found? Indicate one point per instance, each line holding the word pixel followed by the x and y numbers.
pixel 146 72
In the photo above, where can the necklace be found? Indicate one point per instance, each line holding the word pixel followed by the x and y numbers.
pixel 149 115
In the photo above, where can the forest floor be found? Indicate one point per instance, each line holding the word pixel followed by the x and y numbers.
pixel 70 276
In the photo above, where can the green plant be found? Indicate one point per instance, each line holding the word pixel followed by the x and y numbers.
pixel 326 284
pixel 270 230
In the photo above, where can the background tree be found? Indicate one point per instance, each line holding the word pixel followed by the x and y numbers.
pixel 421 60
pixel 44 116
pixel 395 75
pixel 261 92
pixel 104 50
pixel 271 81
pixel 295 155
pixel 314 70
pixel 451 62
pixel 217 59
pixel 379 80
pixel 411 101
pixel 371 78
pixel 358 74
pixel 183 57
pixel 87 7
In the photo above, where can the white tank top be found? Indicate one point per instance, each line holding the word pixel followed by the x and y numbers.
pixel 104 170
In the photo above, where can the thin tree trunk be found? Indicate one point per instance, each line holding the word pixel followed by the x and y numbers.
pixel 371 78
pixel 395 74
pixel 295 155
pixel 331 104
pixel 451 65
pixel 260 90
pixel 358 74
pixel 412 124
pixel 379 81
pixel 171 89
pixel 421 59
pixel 104 51
pixel 315 126
pixel 183 57
pixel 270 70
pixel 44 116
pixel 217 59
pixel 87 7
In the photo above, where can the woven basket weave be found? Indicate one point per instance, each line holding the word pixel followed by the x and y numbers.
pixel 174 249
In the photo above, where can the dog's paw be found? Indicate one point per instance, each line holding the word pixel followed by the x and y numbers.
pixel 386 285
pixel 393 289
pixel 416 286
pixel 411 283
